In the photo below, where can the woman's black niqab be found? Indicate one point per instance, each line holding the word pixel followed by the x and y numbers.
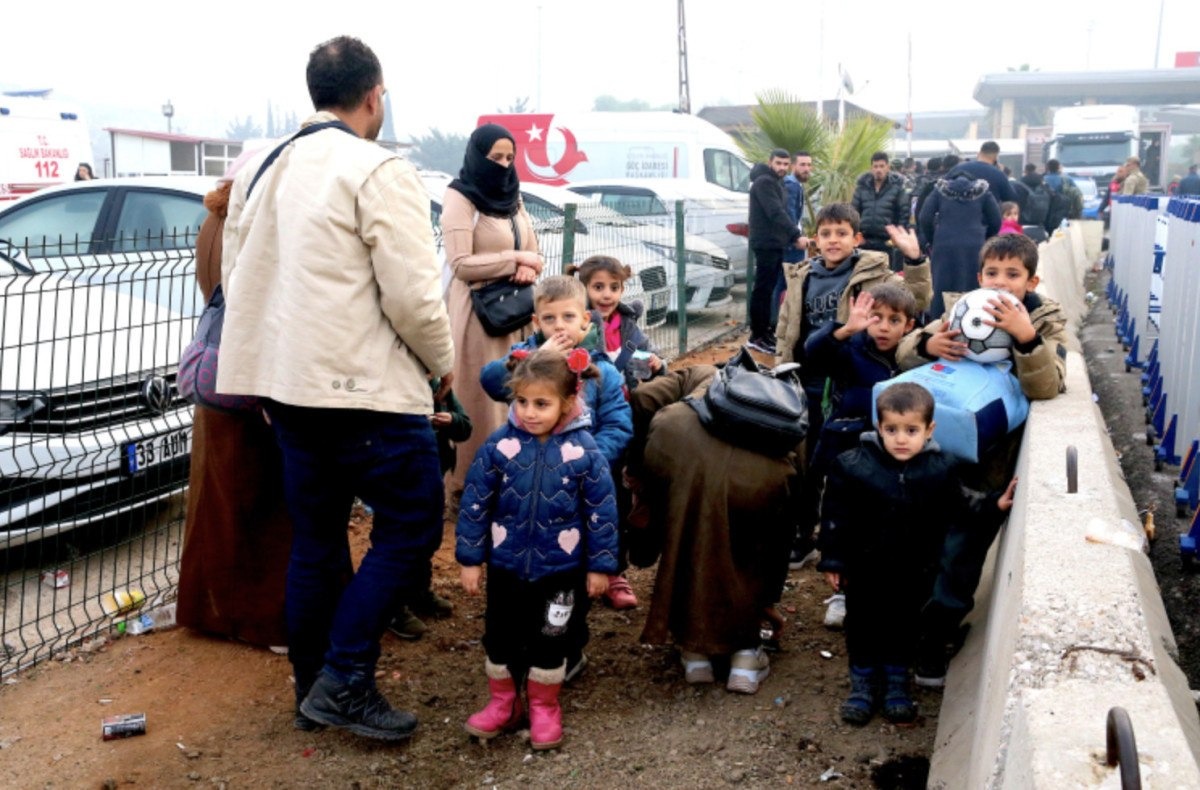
pixel 493 188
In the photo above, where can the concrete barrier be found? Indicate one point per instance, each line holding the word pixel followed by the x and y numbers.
pixel 1064 629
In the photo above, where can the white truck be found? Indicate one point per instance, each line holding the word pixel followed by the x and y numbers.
pixel 1094 140
pixel 42 143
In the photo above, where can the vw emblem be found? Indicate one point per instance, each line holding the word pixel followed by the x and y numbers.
pixel 156 394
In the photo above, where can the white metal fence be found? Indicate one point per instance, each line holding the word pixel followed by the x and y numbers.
pixel 1155 287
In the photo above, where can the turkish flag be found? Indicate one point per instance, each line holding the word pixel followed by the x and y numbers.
pixel 530 131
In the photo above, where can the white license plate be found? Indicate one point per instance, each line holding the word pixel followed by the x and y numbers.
pixel 658 300
pixel 155 450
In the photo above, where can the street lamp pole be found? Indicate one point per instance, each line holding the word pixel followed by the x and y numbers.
pixel 168 110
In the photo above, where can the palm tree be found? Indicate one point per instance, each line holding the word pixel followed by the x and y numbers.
pixel 783 121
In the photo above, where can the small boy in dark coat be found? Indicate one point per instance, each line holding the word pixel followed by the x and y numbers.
pixel 886 509
pixel 855 356
pixel 450 424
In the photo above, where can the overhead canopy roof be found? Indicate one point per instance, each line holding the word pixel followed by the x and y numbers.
pixel 1064 88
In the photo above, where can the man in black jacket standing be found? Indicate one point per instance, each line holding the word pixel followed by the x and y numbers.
pixel 771 231
pixel 881 200
pixel 985 166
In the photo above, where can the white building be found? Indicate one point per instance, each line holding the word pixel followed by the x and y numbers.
pixel 143 153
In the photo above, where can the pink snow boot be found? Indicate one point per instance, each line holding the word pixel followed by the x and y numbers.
pixel 545 716
pixel 503 710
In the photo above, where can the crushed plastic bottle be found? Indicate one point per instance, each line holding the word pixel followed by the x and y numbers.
pixel 122 601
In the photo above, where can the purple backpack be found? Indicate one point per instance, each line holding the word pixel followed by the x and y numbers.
pixel 197 379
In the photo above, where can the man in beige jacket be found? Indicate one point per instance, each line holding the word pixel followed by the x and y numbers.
pixel 334 315
pixel 1135 182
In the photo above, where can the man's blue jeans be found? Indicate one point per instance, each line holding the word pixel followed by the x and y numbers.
pixel 330 456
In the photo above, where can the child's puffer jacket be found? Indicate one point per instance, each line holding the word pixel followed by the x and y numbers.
pixel 537 508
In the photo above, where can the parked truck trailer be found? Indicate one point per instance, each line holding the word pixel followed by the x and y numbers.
pixel 1094 140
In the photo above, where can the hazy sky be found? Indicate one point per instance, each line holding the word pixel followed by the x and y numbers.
pixel 446 62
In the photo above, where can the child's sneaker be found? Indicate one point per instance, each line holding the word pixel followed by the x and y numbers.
pixel 930 673
pixel 747 669
pixel 696 668
pixel 762 344
pixel 407 625
pixel 835 613
pixel 430 604
pixel 898 706
pixel 575 666
pixel 860 705
pixel 801 557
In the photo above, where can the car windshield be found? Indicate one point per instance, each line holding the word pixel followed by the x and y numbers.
pixel 1092 154
pixel 1086 185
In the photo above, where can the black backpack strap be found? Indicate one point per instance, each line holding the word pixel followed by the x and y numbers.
pixel 307 130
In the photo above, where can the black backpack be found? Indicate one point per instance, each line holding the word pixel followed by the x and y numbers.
pixel 1060 207
pixel 1037 207
pixel 755 408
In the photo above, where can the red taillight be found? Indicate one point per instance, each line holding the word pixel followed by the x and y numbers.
pixel 739 228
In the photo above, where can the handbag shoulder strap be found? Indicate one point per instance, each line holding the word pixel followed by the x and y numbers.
pixel 516 231
pixel 307 130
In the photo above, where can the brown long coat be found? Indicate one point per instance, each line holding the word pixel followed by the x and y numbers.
pixel 727 518
pixel 237 536
pixel 479 249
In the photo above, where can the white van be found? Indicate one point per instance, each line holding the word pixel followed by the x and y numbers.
pixel 42 143
pixel 559 149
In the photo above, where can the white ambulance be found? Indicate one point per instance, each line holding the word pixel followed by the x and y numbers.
pixel 42 143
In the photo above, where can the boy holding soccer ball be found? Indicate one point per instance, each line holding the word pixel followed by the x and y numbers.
pixel 1037 324
pixel 1039 355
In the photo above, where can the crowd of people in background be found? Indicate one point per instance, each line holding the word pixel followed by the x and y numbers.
pixel 564 450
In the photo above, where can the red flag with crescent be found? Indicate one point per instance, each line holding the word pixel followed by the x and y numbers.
pixel 532 131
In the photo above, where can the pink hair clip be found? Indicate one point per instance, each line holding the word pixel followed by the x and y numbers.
pixel 520 354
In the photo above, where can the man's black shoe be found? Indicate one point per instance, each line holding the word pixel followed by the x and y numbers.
pixel 360 709
pixel 305 724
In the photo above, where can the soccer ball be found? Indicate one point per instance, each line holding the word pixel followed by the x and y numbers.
pixel 985 343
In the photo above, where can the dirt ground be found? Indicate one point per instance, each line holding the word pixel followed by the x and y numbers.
pixel 1120 398
pixel 219 713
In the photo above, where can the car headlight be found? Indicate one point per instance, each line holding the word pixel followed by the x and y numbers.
pixel 690 256
pixel 17 408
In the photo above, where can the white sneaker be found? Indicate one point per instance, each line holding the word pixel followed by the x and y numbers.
pixel 835 614
pixel 747 669
pixel 796 562
pixel 696 668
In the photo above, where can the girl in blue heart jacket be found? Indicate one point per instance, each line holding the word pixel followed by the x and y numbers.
pixel 539 508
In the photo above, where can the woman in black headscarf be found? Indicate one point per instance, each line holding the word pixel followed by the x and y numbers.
pixel 488 236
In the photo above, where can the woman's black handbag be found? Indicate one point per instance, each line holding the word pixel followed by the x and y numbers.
pixel 503 306
pixel 755 408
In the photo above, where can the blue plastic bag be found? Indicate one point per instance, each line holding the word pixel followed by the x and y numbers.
pixel 975 405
